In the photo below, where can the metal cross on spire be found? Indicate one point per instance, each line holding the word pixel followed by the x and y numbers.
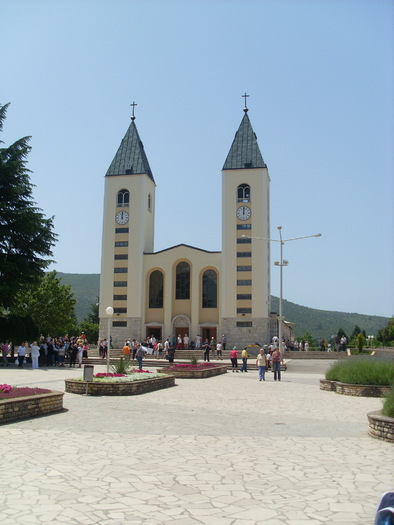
pixel 133 106
pixel 246 107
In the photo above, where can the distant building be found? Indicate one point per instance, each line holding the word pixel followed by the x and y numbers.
pixel 184 289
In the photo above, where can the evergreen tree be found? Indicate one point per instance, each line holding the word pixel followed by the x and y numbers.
pixel 93 315
pixel 25 234
pixel 356 331
pixel 307 337
pixel 340 333
pixel 91 323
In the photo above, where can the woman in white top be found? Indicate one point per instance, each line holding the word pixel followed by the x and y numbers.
pixel 35 354
pixel 21 354
pixel 80 355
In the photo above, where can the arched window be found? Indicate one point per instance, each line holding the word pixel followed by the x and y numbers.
pixel 182 287
pixel 243 193
pixel 123 199
pixel 156 289
pixel 209 289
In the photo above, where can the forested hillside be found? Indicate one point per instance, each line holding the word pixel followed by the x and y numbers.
pixel 320 323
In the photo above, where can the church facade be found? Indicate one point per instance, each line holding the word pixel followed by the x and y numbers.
pixel 185 290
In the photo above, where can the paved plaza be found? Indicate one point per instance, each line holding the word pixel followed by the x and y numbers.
pixel 228 450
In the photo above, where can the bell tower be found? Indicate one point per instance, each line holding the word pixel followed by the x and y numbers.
pixel 128 233
pixel 245 248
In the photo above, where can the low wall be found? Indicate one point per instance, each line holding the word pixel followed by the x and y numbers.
pixel 326 384
pixel 381 427
pixel 314 355
pixel 30 406
pixel 198 373
pixel 131 388
pixel 354 390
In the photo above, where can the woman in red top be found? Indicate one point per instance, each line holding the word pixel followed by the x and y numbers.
pixel 234 359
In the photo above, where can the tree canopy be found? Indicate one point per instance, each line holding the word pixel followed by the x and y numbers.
pixel 26 236
pixel 386 334
pixel 50 305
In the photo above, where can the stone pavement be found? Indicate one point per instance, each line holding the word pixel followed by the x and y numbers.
pixel 228 450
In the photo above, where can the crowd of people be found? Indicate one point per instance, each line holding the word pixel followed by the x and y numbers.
pixel 70 351
pixel 48 351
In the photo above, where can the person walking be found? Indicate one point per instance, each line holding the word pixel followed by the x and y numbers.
pixel 244 357
pixel 62 355
pixel 261 363
pixel 126 350
pixel 79 355
pixel 4 349
pixel 140 355
pixel 171 353
pixel 206 349
pixel 213 345
pixel 35 354
pixel 277 359
pixel 21 354
pixel 73 355
pixel 234 359
pixel 219 351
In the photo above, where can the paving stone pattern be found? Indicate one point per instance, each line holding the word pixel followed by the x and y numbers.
pixel 228 450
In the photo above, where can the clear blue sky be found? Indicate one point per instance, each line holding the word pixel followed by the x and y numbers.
pixel 320 79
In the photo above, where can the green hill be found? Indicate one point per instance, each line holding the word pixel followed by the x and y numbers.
pixel 324 323
pixel 320 323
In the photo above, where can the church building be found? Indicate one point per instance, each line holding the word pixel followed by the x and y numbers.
pixel 184 289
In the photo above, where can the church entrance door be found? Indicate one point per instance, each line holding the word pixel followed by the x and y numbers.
pixel 155 331
pixel 182 331
pixel 208 332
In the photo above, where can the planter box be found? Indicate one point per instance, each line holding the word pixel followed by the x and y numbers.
pixel 362 390
pixel 354 390
pixel 199 373
pixel 131 388
pixel 30 406
pixel 381 427
pixel 326 384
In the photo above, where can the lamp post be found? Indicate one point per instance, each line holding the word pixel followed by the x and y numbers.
pixel 282 262
pixel 370 339
pixel 110 312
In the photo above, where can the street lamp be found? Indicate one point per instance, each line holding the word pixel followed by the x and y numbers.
pixel 370 339
pixel 110 312
pixel 281 263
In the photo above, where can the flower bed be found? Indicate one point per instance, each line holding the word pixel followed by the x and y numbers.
pixel 381 427
pixel 138 382
pixel 18 403
pixel 198 371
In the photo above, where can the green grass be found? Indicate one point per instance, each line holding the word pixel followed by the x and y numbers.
pixel 388 405
pixel 362 372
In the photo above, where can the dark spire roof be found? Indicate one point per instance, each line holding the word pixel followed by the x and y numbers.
pixel 244 152
pixel 130 159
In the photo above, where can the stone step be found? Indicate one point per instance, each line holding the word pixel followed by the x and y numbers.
pixel 162 363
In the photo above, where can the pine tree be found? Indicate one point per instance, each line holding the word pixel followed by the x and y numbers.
pixel 26 236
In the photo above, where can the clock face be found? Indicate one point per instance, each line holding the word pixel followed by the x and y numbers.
pixel 244 213
pixel 122 217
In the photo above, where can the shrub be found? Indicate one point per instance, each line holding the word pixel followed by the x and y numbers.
pixel 362 372
pixel 360 341
pixel 122 366
pixel 388 405
pixel 193 359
